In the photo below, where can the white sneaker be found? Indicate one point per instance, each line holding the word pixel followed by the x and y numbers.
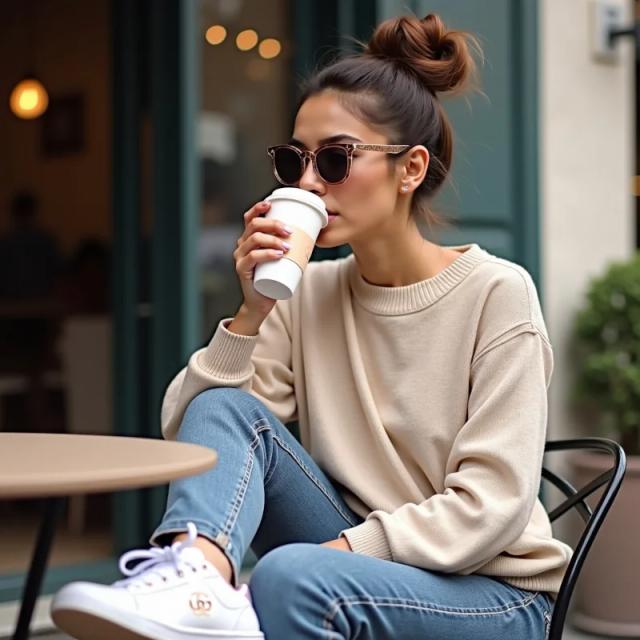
pixel 173 594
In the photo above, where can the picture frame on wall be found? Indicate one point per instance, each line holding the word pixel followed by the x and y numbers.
pixel 63 126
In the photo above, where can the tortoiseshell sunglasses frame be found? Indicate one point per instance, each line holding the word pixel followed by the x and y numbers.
pixel 350 147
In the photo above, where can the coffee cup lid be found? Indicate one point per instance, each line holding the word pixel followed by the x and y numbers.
pixel 300 195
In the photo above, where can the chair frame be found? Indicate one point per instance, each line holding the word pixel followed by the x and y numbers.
pixel 575 499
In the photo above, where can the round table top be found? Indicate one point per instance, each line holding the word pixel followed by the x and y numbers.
pixel 40 465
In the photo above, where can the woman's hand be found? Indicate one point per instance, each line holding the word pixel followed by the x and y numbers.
pixel 341 544
pixel 263 240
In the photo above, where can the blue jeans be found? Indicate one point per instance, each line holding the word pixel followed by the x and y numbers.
pixel 267 492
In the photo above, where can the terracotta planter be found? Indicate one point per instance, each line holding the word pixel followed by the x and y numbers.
pixel 608 591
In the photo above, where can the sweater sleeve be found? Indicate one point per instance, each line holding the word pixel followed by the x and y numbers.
pixel 493 469
pixel 258 364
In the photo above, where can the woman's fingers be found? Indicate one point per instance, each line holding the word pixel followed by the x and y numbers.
pixel 246 264
pixel 258 209
pixel 261 240
pixel 255 223
pixel 255 212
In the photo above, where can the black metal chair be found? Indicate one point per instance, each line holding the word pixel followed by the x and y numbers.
pixel 612 478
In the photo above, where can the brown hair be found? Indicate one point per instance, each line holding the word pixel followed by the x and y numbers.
pixel 393 85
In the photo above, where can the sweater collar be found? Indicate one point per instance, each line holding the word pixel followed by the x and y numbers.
pixel 393 301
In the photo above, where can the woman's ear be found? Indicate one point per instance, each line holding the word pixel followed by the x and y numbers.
pixel 416 163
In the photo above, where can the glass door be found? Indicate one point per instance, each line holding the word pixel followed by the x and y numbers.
pixel 245 106
pixel 56 246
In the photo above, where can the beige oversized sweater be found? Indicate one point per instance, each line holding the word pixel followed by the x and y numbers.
pixel 426 402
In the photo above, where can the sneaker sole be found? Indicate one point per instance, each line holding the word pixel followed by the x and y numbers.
pixel 84 624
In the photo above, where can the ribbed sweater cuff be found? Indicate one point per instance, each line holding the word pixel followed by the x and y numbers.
pixel 368 539
pixel 228 355
pixel 507 569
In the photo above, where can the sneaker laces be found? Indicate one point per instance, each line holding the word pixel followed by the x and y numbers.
pixel 155 558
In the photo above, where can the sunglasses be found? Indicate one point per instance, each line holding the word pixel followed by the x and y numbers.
pixel 331 162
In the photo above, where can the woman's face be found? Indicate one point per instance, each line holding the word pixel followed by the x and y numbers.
pixel 363 205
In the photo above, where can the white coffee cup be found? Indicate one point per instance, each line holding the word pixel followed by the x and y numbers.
pixel 305 213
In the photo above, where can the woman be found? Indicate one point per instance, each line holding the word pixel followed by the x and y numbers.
pixel 418 375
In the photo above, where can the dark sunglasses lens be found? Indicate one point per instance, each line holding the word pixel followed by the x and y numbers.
pixel 288 165
pixel 332 164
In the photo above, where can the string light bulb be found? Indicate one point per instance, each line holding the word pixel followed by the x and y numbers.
pixel 246 40
pixel 29 99
pixel 269 48
pixel 216 34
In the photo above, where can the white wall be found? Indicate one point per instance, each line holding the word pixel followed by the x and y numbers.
pixel 586 165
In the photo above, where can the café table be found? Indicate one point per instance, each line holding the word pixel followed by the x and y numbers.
pixel 55 466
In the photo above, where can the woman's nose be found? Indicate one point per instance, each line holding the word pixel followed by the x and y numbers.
pixel 310 180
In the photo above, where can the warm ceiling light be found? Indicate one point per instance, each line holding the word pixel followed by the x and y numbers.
pixel 29 99
pixel 246 40
pixel 269 48
pixel 216 34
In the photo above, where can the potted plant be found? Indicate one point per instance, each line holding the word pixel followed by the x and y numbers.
pixel 607 365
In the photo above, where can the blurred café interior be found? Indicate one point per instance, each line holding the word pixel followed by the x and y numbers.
pixel 119 116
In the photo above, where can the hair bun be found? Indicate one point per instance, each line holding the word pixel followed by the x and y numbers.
pixel 440 58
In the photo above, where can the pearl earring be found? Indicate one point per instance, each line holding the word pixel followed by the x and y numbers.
pixel 404 188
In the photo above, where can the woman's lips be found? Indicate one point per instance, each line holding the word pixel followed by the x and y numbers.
pixel 332 215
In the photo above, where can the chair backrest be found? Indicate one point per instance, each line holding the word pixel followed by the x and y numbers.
pixel 611 480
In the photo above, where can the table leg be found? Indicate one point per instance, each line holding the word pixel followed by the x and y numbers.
pixel 52 509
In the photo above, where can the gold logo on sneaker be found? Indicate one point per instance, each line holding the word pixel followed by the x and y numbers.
pixel 200 603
